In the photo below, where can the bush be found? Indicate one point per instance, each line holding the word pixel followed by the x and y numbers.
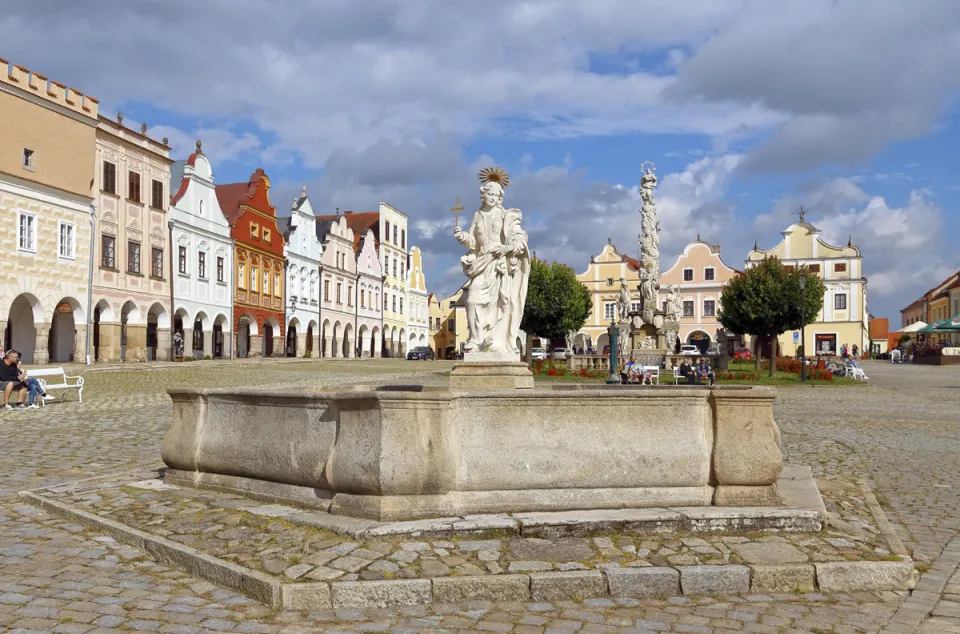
pixel 307 354
pixel 189 358
pixel 208 357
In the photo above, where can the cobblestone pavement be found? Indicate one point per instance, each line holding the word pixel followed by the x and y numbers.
pixel 900 432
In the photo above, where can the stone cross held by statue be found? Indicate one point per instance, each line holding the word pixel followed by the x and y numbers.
pixel 457 209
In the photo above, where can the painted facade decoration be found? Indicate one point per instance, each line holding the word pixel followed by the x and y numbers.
pixel 259 317
pixel 370 291
pixel 338 286
pixel 202 262
pixel 47 149
pixel 700 275
pixel 303 252
pixel 844 318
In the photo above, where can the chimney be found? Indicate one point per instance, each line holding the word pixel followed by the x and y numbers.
pixel 143 129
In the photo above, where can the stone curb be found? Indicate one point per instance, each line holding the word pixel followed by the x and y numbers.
pixel 886 528
pixel 642 582
pixel 927 593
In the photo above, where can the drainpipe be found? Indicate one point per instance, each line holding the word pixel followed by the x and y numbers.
pixel 93 238
pixel 234 326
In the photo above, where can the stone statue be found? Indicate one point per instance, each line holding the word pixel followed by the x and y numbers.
pixel 623 305
pixel 674 310
pixel 648 287
pixel 670 340
pixel 497 267
pixel 647 184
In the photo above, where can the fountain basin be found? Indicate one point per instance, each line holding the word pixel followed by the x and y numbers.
pixel 402 453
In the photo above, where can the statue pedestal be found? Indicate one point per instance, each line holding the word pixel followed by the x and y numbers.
pixel 474 374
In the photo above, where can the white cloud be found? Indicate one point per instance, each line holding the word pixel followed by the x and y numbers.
pixel 218 143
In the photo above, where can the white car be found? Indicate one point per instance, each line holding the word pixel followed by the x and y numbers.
pixel 559 354
pixel 690 350
pixel 538 354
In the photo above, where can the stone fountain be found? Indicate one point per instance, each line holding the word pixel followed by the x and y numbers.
pixel 489 442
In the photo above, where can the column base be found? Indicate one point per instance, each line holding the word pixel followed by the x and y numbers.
pixel 491 375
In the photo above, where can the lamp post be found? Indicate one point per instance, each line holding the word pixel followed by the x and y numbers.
pixel 612 332
pixel 803 328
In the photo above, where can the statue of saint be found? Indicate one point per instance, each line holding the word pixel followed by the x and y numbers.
pixel 648 288
pixel 623 305
pixel 674 310
pixel 648 182
pixel 498 269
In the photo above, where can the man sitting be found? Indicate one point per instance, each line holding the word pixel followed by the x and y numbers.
pixel 704 371
pixel 33 386
pixel 687 371
pixel 629 372
pixel 11 378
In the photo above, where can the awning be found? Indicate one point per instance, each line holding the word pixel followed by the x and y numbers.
pixel 914 327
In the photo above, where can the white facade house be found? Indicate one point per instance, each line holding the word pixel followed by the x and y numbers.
pixel 338 283
pixel 418 305
pixel 303 251
pixel 202 257
pixel 369 292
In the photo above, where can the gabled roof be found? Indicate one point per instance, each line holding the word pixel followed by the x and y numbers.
pixel 879 328
pixel 231 196
pixel 358 223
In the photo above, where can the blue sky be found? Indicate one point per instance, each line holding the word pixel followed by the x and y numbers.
pixel 748 108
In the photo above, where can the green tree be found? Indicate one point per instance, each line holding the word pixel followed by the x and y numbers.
pixel 766 301
pixel 556 302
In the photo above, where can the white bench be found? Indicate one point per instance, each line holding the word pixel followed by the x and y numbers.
pixel 654 372
pixel 63 381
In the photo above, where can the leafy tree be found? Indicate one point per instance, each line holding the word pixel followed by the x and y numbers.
pixel 556 302
pixel 766 301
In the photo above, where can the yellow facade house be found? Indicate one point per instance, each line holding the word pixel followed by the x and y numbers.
pixel 602 278
pixel 448 324
pixel 47 149
pixel 844 318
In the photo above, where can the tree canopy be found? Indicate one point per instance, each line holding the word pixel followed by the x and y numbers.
pixel 556 301
pixel 766 301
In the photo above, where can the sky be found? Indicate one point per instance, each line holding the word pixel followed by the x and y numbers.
pixel 749 109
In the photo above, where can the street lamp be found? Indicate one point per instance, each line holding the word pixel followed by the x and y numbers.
pixel 803 327
pixel 612 332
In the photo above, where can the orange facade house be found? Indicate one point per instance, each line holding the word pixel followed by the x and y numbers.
pixel 258 310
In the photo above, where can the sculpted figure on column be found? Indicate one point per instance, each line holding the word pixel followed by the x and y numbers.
pixel 498 269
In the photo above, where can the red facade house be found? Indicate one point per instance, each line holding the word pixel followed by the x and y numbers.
pixel 258 311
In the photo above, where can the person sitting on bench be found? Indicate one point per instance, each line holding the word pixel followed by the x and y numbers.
pixel 688 372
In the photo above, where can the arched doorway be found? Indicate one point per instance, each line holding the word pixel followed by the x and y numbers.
pixel 363 335
pixel 129 315
pixel 246 327
pixel 699 339
pixel 337 342
pixel 63 330
pixel 311 333
pixel 25 313
pixel 218 336
pixel 197 340
pixel 291 350
pixel 325 339
pixel 158 333
pixel 268 339
pixel 348 345
pixel 374 339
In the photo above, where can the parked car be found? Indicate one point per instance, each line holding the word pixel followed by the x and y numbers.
pixel 538 354
pixel 421 353
pixel 559 354
pixel 743 354
pixel 606 350
pixel 689 350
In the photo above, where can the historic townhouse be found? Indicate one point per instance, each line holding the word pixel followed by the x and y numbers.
pixel 47 146
pixel 602 279
pixel 700 275
pixel 844 318
pixel 338 283
pixel 418 310
pixel 202 278
pixel 303 252
pixel 939 303
pixel 369 290
pixel 131 284
pixel 448 324
pixel 258 313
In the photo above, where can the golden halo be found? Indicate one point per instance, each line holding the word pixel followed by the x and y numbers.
pixel 494 175
pixel 650 163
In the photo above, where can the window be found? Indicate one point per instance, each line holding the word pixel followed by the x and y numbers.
pixel 108 253
pixel 687 275
pixel 241 275
pixel 709 308
pixel 453 303
pixel 635 307
pixel 840 267
pixel 326 290
pixel 403 238
pixel 133 257
pixel 339 293
pixel 66 240
pixel 609 309
pixel 709 274
pixel 202 264
pixel 349 296
pixel 219 269
pixel 109 183
pixel 688 308
pixel 182 260
pixel 387 232
pixel 28 160
pixel 133 186
pixel 814 268
pixel 394 234
pixel 266 235
pixel 840 301
pixel 826 344
pixel 157 260
pixel 451 325
pixel 254 230
pixel 254 278
pixel 277 288
pixel 156 198
pixel 363 298
pixel 394 267
pixel 27 232
pixel 393 304
pixel 401 271
pixel 266 283
pixel 437 323
pixel 384 301
pixel 401 305
pixel 609 281
pixel 313 291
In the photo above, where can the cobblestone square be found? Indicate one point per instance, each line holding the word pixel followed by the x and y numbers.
pixel 899 434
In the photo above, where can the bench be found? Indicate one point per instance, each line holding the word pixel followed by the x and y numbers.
pixel 654 372
pixel 58 380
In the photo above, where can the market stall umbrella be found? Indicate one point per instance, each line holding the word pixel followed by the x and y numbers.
pixel 955 322
pixel 914 327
